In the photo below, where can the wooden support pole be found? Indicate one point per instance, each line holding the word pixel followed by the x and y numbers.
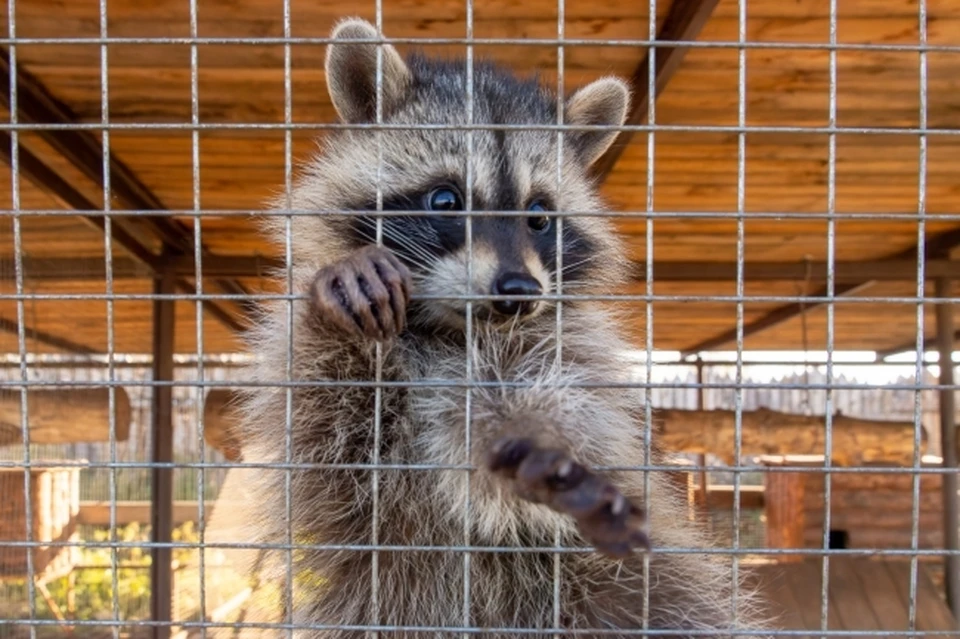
pixel 161 515
pixel 702 457
pixel 784 510
pixel 948 445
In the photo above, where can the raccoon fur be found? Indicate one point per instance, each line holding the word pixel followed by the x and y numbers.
pixel 541 406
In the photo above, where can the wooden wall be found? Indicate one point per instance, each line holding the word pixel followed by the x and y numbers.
pixel 874 508
pixel 55 498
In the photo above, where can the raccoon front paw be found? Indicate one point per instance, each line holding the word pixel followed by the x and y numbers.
pixel 605 517
pixel 364 294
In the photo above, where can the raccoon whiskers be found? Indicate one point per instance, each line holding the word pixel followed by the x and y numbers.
pixel 414 252
pixel 568 267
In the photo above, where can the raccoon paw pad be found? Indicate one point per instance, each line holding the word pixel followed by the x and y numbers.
pixel 364 294
pixel 605 517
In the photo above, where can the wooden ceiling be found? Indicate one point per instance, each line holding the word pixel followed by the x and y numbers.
pixel 786 177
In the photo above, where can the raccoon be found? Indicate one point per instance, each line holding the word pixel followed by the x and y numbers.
pixel 435 501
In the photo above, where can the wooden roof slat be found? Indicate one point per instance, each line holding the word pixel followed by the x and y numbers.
pixel 35 170
pixel 931 611
pixel 853 607
pixel 694 170
pixel 882 596
pixel 36 104
pixel 864 594
pixel 42 176
pixel 683 23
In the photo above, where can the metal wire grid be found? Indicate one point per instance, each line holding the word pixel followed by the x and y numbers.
pixel 648 298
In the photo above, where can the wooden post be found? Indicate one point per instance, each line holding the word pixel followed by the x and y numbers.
pixel 784 510
pixel 702 457
pixel 948 446
pixel 161 515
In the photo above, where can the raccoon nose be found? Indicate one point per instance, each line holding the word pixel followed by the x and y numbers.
pixel 515 284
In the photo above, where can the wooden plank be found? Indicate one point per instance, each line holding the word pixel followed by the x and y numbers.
pixel 721 497
pixel 805 582
pixel 852 605
pixel 774 586
pixel 83 151
pixel 85 320
pixel 882 596
pixel 684 23
pixel 41 175
pixel 931 611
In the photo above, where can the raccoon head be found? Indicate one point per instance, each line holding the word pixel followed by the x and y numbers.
pixel 429 179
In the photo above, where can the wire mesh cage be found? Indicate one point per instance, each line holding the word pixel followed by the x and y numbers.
pixel 774 210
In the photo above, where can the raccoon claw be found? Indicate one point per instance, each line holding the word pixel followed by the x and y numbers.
pixel 605 517
pixel 364 294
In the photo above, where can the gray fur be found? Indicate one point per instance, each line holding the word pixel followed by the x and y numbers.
pixel 427 425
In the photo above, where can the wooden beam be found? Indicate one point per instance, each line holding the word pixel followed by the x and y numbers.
pixel 684 22
pixel 767 432
pixel 937 247
pixel 35 104
pixel 55 341
pixel 41 175
pixel 773 318
pixel 46 179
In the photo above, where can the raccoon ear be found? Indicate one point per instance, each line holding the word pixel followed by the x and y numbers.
pixel 602 102
pixel 351 69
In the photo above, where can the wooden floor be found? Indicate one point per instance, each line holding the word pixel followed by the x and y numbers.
pixel 865 594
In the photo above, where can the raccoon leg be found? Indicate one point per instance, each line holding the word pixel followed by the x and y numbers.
pixel 364 294
pixel 606 518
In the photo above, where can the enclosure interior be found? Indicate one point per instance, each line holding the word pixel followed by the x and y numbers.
pixel 786 184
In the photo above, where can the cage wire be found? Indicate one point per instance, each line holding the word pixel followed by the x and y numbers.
pixel 80 546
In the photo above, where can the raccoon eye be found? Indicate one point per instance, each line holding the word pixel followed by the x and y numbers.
pixel 444 199
pixel 540 223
